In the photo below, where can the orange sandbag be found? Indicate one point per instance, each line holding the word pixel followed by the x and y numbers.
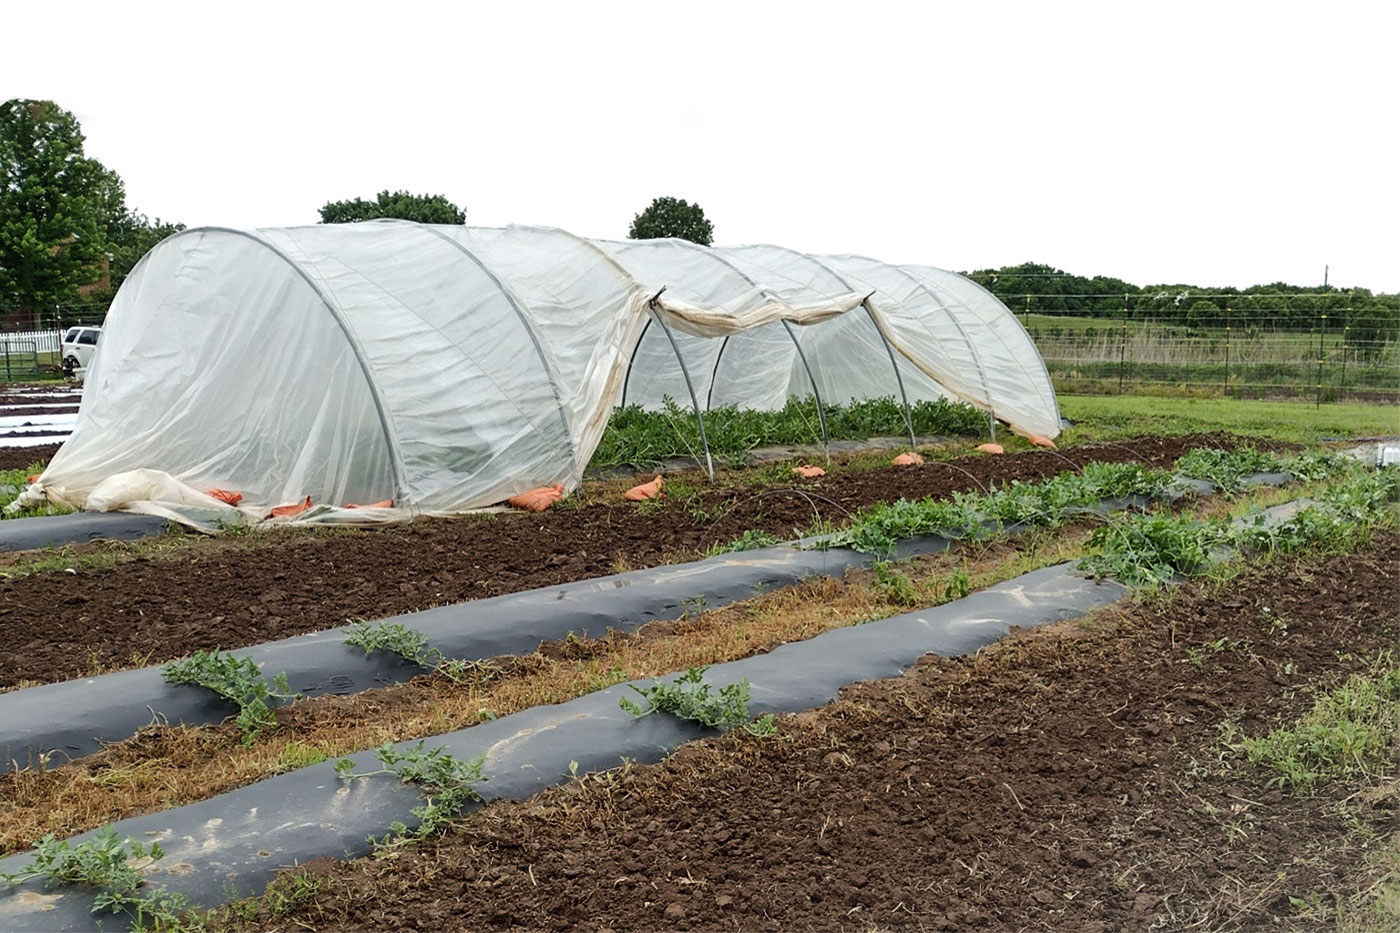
pixel 296 508
pixel 225 495
pixel 809 472
pixel 646 490
pixel 1039 441
pixel 991 448
pixel 907 460
pixel 537 500
pixel 381 504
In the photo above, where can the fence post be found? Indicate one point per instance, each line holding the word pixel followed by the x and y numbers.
pixel 1227 349
pixel 1321 333
pixel 1342 392
pixel 1123 345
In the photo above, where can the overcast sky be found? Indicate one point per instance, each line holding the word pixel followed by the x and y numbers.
pixel 1220 143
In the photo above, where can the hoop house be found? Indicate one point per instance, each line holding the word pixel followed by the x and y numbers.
pixel 448 368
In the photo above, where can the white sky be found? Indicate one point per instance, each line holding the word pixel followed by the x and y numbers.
pixel 1220 143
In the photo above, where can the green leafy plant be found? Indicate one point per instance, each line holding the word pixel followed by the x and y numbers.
pixel 1226 468
pixel 880 528
pixel 395 638
pixel 1141 550
pixel 689 697
pixel 643 438
pixel 1148 549
pixel 958 585
pixel 112 864
pixel 895 586
pixel 235 679
pixel 412 645
pixel 751 540
pixel 449 782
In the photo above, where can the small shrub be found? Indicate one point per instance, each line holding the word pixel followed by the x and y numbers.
pixel 751 540
pixel 1149 549
pixel 958 585
pixel 1226 468
pixel 412 645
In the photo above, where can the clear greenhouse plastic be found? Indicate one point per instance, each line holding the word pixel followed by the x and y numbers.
pixel 449 368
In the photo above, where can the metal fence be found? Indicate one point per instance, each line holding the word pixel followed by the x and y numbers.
pixel 1255 354
pixel 1236 355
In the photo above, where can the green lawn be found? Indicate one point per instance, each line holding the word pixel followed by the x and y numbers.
pixel 1108 417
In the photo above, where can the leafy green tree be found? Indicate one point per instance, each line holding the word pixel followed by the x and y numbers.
pixel 1203 313
pixel 420 208
pixel 130 234
pixel 52 227
pixel 1372 324
pixel 670 217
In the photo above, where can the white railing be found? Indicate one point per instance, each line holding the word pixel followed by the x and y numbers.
pixel 42 341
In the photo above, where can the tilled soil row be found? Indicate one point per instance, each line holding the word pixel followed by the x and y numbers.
pixel 20 458
pixel 58 626
pixel 1070 778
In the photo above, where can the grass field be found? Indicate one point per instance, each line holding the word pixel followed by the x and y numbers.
pixel 1108 417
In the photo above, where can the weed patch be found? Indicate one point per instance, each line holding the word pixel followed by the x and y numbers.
pixel 1350 732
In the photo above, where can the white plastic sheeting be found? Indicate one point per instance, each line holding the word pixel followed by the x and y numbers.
pixel 448 368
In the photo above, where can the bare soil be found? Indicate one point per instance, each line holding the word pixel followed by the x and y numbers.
pixel 1070 778
pixel 18 458
pixel 61 625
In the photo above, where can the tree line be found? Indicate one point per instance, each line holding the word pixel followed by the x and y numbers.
pixel 1041 289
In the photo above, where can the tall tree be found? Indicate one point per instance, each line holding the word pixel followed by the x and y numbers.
pixel 130 234
pixel 670 217
pixel 421 208
pixel 52 229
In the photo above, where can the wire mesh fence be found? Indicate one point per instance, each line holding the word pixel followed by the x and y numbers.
pixel 1318 353
pixel 1231 354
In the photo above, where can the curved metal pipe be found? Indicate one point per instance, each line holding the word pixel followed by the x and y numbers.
pixel 962 332
pixel 380 406
pixel 710 393
pixel 627 379
pixel 816 393
pixel 519 308
pixel 908 416
pixel 690 387
pixel 903 397
pixel 821 413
